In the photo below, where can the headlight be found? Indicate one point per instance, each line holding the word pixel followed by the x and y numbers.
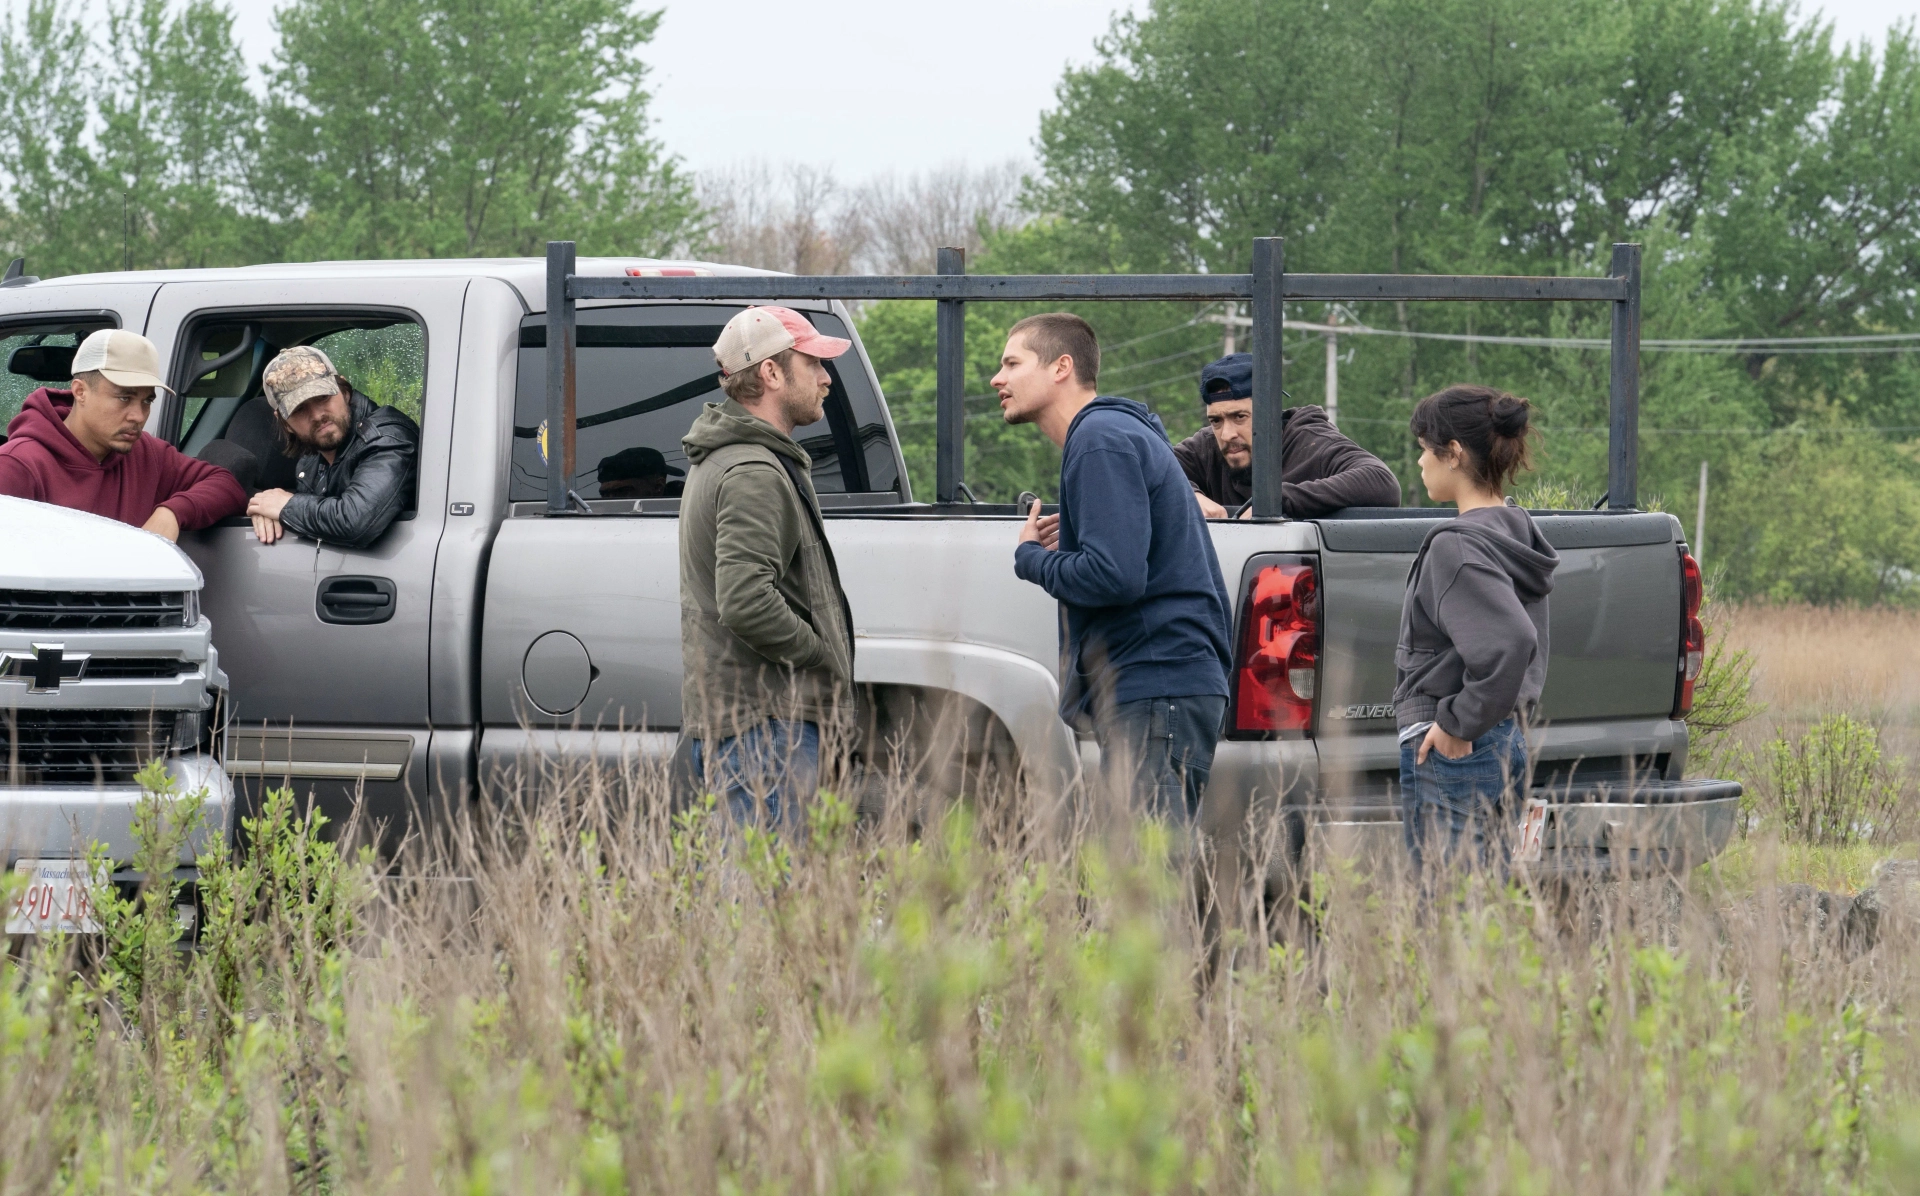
pixel 190 608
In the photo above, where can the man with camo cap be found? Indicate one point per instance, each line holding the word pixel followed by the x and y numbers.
pixel 356 458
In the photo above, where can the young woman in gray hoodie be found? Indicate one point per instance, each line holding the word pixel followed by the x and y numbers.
pixel 1472 655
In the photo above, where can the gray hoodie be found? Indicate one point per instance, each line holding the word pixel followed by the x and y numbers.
pixel 1473 628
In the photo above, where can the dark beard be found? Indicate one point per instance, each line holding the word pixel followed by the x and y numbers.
pixel 301 447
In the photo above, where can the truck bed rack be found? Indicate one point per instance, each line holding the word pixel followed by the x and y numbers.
pixel 1268 288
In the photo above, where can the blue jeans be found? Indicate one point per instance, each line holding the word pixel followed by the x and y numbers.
pixel 1160 750
pixel 1448 803
pixel 767 773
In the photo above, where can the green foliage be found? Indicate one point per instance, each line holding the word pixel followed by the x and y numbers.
pixel 281 914
pixel 1765 172
pixel 1723 700
pixel 1824 516
pixel 140 965
pixel 1543 494
pixel 386 130
pixel 643 1000
pixel 270 917
pixel 467 130
pixel 1149 351
pixel 1832 786
pixel 1001 460
pixel 388 365
pixel 130 150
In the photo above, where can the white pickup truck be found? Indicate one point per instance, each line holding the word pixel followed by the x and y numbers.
pixel 485 623
pixel 106 664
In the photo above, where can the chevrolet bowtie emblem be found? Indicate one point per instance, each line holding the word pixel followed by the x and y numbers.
pixel 43 668
pixel 47 659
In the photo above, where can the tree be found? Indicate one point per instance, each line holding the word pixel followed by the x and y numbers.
pixel 1770 178
pixel 468 128
pixel 44 152
pixel 1841 519
pixel 141 162
pixel 176 137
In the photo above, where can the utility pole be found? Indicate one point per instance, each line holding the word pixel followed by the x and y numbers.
pixel 1333 367
pixel 1230 321
pixel 1700 519
pixel 1333 328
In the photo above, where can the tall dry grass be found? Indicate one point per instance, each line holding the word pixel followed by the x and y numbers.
pixel 580 990
pixel 1811 660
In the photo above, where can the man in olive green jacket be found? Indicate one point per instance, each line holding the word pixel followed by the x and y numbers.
pixel 766 635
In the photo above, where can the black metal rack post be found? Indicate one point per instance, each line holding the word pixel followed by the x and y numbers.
pixel 950 380
pixel 1269 400
pixel 1268 288
pixel 1623 391
pixel 559 438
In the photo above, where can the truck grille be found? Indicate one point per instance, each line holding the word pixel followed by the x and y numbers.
pixel 80 747
pixel 136 668
pixel 59 610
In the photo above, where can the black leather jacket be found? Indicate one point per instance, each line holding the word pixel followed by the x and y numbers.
pixel 351 502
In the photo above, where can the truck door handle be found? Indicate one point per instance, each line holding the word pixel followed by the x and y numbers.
pixel 356 600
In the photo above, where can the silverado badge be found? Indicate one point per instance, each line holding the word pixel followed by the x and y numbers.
pixel 1362 710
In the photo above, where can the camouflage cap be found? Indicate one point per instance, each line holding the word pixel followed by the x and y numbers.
pixel 301 373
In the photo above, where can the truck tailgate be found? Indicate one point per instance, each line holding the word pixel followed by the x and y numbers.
pixel 1615 623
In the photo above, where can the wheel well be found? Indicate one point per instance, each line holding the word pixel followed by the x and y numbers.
pixel 939 738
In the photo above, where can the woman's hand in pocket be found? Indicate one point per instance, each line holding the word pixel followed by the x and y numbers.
pixel 1451 746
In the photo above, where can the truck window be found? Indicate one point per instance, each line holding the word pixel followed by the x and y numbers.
pixel 644 374
pixel 383 355
pixel 36 355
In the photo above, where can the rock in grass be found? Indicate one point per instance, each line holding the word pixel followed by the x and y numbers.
pixel 1892 901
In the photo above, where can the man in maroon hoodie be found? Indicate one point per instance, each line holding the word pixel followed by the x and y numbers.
pixel 85 448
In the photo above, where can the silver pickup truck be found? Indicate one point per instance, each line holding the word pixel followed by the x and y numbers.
pixel 482 629
pixel 106 664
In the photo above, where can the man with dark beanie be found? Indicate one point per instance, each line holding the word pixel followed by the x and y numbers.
pixel 1325 471
pixel 1132 564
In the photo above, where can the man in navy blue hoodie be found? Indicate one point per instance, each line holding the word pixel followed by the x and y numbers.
pixel 1130 559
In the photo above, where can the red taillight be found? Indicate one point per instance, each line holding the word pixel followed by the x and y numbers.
pixel 1693 636
pixel 1279 651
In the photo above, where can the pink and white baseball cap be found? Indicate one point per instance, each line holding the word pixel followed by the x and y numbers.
pixel 762 332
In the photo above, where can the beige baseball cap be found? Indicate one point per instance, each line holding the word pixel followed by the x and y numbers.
pixel 296 375
pixel 762 332
pixel 123 358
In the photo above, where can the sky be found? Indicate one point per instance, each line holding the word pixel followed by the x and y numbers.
pixel 857 85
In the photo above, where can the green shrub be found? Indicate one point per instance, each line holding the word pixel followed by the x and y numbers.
pixel 1722 700
pixel 1541 493
pixel 1834 786
pixel 139 934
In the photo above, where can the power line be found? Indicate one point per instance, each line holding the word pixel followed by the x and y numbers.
pixel 1149 336
pixel 1646 431
pixel 1877 342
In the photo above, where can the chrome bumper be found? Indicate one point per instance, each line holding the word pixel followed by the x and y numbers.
pixel 62 823
pixel 1660 826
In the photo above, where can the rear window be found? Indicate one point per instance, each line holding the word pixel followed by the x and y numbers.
pixel 644 373
pixel 37 355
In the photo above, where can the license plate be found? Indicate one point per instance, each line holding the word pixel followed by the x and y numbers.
pixel 1533 833
pixel 58 898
